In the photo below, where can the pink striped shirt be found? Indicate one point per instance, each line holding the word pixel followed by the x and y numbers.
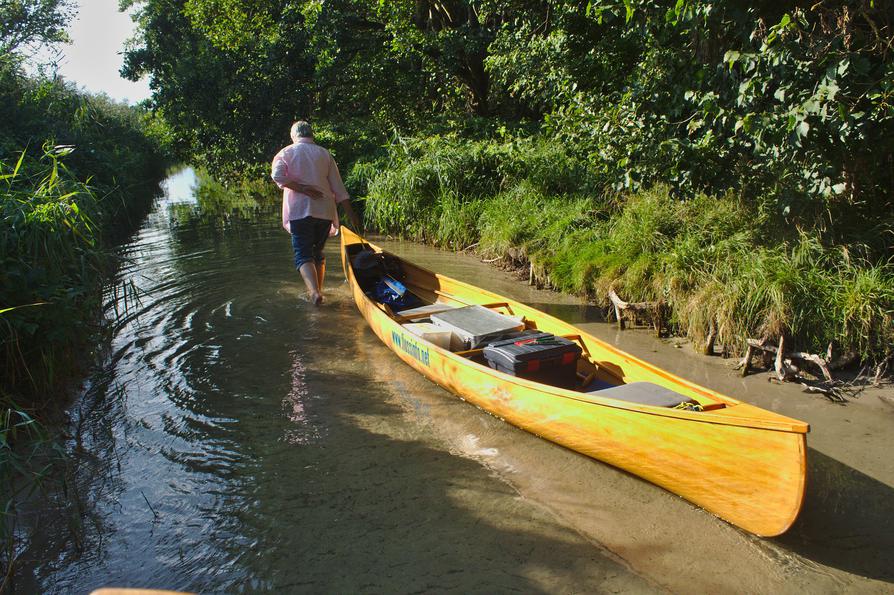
pixel 305 162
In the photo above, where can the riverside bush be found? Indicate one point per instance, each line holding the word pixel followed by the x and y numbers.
pixel 94 179
pixel 58 208
pixel 54 218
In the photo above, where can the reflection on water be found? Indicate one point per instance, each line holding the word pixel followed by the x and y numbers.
pixel 238 439
pixel 195 198
pixel 180 186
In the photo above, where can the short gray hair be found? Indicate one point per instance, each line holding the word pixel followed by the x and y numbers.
pixel 301 129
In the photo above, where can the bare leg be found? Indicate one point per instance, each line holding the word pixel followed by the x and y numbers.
pixel 308 272
pixel 321 274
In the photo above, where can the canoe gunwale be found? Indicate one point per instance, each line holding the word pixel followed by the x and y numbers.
pixel 725 416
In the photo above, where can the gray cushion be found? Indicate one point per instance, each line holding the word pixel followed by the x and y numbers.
pixel 644 393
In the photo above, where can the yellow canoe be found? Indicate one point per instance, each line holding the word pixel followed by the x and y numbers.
pixel 742 463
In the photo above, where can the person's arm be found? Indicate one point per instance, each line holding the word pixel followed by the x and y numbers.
pixel 341 195
pixel 352 215
pixel 311 191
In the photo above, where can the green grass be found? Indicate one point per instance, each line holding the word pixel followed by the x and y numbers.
pixel 708 258
pixel 51 253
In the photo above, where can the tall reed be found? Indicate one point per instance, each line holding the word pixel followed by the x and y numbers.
pixel 52 254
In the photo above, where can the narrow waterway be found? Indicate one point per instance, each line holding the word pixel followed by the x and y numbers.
pixel 239 440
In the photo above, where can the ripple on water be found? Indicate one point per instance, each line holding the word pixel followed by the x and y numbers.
pixel 255 443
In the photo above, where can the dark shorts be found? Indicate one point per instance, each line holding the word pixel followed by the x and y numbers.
pixel 309 235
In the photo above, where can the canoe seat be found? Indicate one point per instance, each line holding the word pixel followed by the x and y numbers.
pixel 593 385
pixel 644 393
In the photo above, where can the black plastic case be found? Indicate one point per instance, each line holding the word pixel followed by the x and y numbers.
pixel 541 357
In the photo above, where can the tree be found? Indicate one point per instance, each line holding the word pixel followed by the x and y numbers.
pixel 32 23
pixel 229 100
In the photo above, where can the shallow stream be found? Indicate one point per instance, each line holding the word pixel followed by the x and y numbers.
pixel 238 439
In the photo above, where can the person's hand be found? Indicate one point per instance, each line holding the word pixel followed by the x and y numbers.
pixel 311 191
pixel 315 194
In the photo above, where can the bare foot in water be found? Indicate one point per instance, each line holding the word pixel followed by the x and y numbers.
pixel 316 299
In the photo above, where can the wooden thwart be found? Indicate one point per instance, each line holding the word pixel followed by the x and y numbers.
pixel 580 340
pixel 469 352
pixel 491 306
pixel 402 319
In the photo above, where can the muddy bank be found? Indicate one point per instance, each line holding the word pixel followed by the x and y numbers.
pixel 843 540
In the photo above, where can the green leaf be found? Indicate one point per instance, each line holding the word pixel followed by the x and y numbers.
pixel 18 164
pixel 731 57
pixel 843 66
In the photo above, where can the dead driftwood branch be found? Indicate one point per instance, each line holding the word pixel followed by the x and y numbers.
pixel 753 345
pixel 784 361
pixel 651 311
pixel 830 392
pixel 711 339
pixel 787 367
pixel 783 372
pixel 880 372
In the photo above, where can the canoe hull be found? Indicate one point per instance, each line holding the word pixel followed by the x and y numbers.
pixel 753 477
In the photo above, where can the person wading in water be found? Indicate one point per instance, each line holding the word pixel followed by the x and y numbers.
pixel 312 187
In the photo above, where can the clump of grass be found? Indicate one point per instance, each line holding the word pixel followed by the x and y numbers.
pixel 457 221
pixel 576 264
pixel 51 253
pixel 421 178
pixel 512 219
pixel 863 307
pixel 638 236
